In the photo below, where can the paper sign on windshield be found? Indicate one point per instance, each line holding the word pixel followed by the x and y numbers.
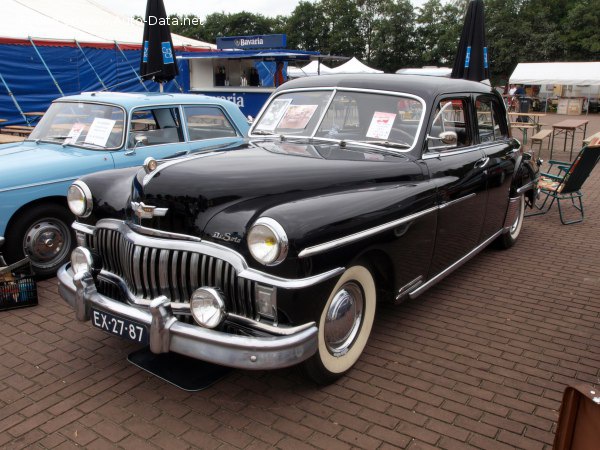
pixel 381 125
pixel 273 115
pixel 74 134
pixel 100 132
pixel 297 116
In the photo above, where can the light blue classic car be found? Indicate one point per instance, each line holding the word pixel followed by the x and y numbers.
pixel 89 133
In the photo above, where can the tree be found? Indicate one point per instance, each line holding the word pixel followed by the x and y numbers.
pixel 438 31
pixel 305 27
pixel 342 27
pixel 393 44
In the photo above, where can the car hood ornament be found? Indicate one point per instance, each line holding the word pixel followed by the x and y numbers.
pixel 144 211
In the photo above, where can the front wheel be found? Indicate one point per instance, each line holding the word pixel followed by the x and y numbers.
pixel 344 326
pixel 509 238
pixel 43 233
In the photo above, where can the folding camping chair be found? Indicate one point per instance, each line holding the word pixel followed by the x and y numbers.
pixel 567 183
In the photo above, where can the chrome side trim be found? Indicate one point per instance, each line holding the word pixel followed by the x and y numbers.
pixel 161 234
pixel 216 251
pixel 163 166
pixel 316 249
pixel 440 276
pixel 458 200
pixel 526 187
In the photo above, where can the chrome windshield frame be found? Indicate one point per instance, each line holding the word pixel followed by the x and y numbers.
pixel 334 91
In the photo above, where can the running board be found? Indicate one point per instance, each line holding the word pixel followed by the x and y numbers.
pixel 440 276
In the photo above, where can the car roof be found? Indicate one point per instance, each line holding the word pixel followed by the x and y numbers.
pixel 134 99
pixel 421 85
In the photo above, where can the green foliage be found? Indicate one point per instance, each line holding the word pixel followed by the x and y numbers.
pixel 390 34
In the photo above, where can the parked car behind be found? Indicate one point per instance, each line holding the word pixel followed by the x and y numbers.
pixel 353 190
pixel 88 133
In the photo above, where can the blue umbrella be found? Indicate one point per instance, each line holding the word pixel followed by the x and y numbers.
pixel 471 61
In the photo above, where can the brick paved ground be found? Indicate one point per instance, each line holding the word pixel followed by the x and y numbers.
pixel 479 361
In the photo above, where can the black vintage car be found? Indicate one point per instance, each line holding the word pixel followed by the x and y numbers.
pixel 353 190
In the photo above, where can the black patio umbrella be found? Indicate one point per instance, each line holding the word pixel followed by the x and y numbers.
pixel 471 62
pixel 158 55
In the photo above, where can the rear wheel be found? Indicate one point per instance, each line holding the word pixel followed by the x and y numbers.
pixel 344 326
pixel 43 233
pixel 509 238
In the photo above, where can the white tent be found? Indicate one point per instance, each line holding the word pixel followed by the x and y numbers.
pixel 68 20
pixel 354 66
pixel 431 71
pixel 312 69
pixel 565 73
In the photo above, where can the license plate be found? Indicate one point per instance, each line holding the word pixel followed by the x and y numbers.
pixel 125 328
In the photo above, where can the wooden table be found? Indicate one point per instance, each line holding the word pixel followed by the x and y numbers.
pixel 524 127
pixel 37 115
pixel 568 128
pixel 531 117
pixel 10 138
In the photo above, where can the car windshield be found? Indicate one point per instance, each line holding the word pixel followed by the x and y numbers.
pixel 372 118
pixel 90 125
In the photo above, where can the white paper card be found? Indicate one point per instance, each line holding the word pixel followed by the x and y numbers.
pixel 381 125
pixel 100 131
pixel 273 116
pixel 74 134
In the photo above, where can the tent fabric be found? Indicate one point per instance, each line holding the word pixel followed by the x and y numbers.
pixel 34 90
pixel 64 21
pixel 309 70
pixel 354 66
pixel 431 71
pixel 566 73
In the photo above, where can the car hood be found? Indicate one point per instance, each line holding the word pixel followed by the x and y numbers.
pixel 255 178
pixel 28 163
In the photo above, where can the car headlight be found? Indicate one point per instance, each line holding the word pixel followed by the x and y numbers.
pixel 79 198
pixel 208 307
pixel 267 241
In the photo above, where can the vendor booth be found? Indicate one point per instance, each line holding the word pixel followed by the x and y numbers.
pixel 247 69
pixel 571 87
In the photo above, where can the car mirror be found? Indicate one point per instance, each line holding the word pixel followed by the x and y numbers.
pixel 250 119
pixel 140 139
pixel 446 137
pixel 449 137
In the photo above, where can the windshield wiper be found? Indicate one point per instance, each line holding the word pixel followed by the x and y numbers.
pixel 386 144
pixel 263 133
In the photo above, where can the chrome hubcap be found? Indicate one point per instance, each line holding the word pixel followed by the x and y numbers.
pixel 46 242
pixel 343 319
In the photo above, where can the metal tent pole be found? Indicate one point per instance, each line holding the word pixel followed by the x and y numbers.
pixel 46 66
pixel 90 63
pixel 134 71
pixel 14 99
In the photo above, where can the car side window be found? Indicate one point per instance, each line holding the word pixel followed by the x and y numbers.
pixel 208 122
pixel 157 126
pixel 450 116
pixel 489 125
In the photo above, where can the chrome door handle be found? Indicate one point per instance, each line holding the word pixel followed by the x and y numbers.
pixel 482 163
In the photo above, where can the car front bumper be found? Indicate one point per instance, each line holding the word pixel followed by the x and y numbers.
pixel 167 334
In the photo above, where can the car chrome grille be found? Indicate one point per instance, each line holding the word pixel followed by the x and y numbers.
pixel 176 274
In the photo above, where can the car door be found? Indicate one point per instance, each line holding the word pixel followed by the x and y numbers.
pixel 495 143
pixel 458 169
pixel 155 131
pixel 209 126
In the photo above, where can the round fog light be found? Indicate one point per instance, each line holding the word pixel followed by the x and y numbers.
pixel 208 307
pixel 81 260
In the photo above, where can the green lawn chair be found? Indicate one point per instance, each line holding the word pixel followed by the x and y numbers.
pixel 567 183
